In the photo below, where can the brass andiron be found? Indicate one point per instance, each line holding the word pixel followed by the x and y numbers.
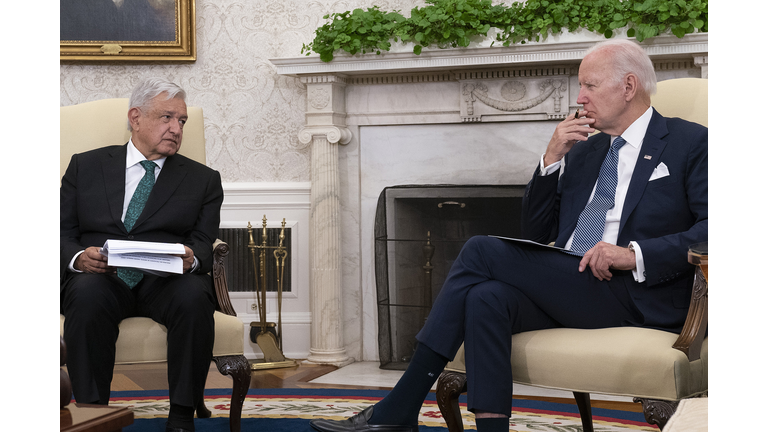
pixel 271 344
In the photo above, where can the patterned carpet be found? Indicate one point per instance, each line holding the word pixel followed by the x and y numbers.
pixel 278 410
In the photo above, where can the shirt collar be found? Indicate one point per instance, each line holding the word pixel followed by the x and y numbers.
pixel 134 156
pixel 635 133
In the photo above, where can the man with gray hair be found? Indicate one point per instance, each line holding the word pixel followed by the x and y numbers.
pixel 144 191
pixel 623 204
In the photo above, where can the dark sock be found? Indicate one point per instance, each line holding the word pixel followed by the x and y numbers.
pixel 402 405
pixel 492 424
pixel 181 417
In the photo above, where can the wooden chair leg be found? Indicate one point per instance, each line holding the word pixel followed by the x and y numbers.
pixel 202 410
pixel 585 410
pixel 450 386
pixel 240 371
pixel 657 412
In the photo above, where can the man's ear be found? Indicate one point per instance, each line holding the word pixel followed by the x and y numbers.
pixel 630 87
pixel 133 117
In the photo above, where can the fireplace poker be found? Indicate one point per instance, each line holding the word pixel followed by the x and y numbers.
pixel 280 255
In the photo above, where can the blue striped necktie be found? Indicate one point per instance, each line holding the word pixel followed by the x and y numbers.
pixel 135 207
pixel 591 224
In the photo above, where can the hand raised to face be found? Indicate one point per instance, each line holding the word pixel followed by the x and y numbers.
pixel 570 131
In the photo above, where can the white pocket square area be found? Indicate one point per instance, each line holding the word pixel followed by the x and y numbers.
pixel 661 171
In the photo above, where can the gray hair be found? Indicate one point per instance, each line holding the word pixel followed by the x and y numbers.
pixel 629 57
pixel 149 89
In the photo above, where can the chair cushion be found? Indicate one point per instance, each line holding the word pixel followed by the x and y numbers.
pixel 142 340
pixel 625 361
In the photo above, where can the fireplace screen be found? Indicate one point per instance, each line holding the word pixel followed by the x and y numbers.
pixel 419 231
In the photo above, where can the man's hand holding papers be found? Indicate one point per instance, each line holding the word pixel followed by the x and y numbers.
pixel 160 259
pixel 92 261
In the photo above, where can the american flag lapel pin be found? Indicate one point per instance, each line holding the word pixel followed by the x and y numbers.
pixel 647 157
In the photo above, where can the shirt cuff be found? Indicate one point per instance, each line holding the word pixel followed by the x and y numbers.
pixel 544 171
pixel 195 265
pixel 639 271
pixel 71 266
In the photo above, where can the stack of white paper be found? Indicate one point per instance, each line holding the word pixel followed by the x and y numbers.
pixel 149 257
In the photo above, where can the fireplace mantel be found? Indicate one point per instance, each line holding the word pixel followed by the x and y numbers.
pixel 447 116
pixel 563 49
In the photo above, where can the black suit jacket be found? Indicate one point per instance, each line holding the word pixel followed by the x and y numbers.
pixel 664 215
pixel 183 207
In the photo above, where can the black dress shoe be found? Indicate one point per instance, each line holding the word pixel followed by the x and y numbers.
pixel 358 422
pixel 173 429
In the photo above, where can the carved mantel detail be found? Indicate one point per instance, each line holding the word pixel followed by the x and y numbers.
pixel 326 102
pixel 513 92
pixel 324 79
pixel 702 62
pixel 318 98
pixel 514 97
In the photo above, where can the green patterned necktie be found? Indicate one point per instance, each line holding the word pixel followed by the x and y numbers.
pixel 135 207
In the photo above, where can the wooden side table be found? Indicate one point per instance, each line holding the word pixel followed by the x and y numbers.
pixel 94 418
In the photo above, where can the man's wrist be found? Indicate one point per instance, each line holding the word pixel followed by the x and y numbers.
pixel 545 169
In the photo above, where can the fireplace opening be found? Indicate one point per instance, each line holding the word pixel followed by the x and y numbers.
pixel 419 231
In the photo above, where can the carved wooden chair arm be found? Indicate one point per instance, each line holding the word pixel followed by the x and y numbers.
pixel 695 328
pixel 220 250
pixel 65 385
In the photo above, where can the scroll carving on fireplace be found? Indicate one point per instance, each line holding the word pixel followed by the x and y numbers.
pixel 514 97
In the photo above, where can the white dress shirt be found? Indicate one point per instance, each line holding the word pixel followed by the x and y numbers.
pixel 628 155
pixel 134 172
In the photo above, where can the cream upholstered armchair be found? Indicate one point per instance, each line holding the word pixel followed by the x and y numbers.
pixel 97 124
pixel 655 367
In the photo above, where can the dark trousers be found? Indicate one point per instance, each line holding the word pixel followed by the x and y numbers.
pixel 498 288
pixel 94 305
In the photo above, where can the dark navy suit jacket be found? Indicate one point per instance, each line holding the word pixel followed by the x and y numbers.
pixel 183 207
pixel 664 216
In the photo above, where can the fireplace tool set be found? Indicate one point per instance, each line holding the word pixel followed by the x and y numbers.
pixel 262 332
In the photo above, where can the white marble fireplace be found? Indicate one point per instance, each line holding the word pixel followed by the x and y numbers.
pixel 459 116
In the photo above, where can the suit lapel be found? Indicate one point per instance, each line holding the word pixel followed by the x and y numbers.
pixel 113 170
pixel 647 160
pixel 171 176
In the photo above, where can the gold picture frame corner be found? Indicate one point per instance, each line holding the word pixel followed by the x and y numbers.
pixel 182 50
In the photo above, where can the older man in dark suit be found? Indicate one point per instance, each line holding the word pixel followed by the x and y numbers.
pixel 625 204
pixel 142 191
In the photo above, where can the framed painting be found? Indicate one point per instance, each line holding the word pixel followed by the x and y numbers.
pixel 127 30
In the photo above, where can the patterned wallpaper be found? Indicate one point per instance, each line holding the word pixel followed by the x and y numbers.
pixel 252 115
